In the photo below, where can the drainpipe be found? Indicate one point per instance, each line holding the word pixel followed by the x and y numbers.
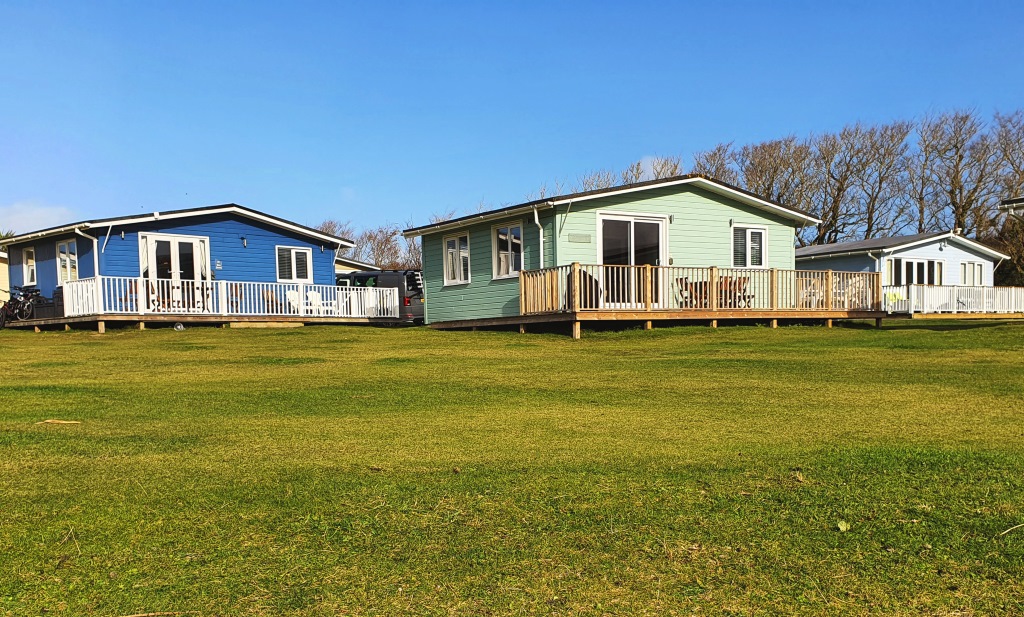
pixel 540 234
pixel 95 251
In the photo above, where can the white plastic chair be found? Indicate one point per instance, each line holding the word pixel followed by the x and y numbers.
pixel 315 302
pixel 294 300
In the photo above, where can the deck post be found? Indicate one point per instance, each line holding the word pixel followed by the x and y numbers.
pixel 575 278
pixel 67 327
pixel 522 328
pixel 522 290
pixel 878 322
pixel 101 327
pixel 713 292
pixel 142 325
pixel 828 323
pixel 828 293
pixel 878 292
pixel 775 323
pixel 648 325
pixel 576 330
pixel 222 296
pixel 99 294
pixel 648 286
pixel 773 284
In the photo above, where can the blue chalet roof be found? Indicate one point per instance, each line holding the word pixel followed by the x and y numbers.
pixel 190 212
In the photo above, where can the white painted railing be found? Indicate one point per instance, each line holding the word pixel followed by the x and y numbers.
pixel 138 296
pixel 911 299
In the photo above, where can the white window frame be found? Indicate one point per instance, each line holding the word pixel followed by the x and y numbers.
pixel 294 250
pixel 60 270
pixel 764 246
pixel 633 217
pixel 25 279
pixel 979 273
pixel 891 270
pixel 469 259
pixel 494 250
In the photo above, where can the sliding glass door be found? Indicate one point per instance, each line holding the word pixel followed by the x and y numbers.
pixel 630 241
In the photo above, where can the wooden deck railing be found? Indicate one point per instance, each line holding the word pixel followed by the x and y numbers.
pixel 587 287
pixel 126 295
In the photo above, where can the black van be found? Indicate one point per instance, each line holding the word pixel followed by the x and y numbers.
pixel 408 282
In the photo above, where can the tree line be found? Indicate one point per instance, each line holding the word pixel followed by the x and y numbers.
pixel 943 171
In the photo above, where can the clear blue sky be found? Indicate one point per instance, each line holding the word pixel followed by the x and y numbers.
pixel 381 112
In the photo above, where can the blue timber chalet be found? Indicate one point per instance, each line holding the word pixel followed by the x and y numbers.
pixel 225 263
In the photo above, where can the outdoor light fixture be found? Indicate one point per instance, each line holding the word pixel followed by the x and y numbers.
pixel 245 243
pixel 122 235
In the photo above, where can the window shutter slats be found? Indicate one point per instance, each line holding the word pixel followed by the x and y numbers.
pixel 739 247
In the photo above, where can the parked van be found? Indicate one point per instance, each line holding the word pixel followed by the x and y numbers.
pixel 408 282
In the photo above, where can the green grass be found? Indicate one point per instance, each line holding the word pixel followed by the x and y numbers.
pixel 324 471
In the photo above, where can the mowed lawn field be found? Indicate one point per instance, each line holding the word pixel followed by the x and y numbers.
pixel 364 471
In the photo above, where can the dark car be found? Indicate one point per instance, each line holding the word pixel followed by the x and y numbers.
pixel 408 282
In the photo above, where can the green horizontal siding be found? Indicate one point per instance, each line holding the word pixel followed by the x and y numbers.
pixel 482 297
pixel 700 235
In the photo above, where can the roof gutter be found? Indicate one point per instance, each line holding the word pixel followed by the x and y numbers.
pixel 469 220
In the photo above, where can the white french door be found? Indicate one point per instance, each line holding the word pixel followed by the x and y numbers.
pixel 630 241
pixel 176 272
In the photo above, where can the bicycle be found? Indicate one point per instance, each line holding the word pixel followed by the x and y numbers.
pixel 20 306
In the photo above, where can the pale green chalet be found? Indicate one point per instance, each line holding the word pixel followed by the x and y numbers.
pixel 653 246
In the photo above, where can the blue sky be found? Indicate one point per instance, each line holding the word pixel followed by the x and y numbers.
pixel 388 112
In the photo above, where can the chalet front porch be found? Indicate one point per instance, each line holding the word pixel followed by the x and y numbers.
pixel 95 301
pixel 586 292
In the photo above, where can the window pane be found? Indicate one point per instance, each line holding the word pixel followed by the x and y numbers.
pixel 920 280
pixel 739 247
pixel 909 272
pixel 284 264
pixel 938 273
pixel 163 259
pixel 464 257
pixel 931 272
pixel 756 248
pixel 186 261
pixel 517 249
pixel 301 265
pixel 503 251
pixel 963 273
pixel 979 277
pixel 897 268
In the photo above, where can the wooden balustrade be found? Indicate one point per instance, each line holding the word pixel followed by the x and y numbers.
pixel 645 288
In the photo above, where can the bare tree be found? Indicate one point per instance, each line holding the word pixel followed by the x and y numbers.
pixel 441 217
pixel 966 165
pixel 1009 138
pixel 666 167
pixel 594 180
pixel 716 163
pixel 635 172
pixel 412 252
pixel 881 208
pixel 340 229
pixel 838 160
pixel 380 246
pixel 778 170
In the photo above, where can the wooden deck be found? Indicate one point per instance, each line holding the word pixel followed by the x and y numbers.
pixel 580 293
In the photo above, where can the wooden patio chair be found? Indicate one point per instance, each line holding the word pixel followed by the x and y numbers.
pixel 271 303
pixel 694 293
pixel 743 297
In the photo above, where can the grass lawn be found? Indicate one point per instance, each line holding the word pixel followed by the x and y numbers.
pixel 331 470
